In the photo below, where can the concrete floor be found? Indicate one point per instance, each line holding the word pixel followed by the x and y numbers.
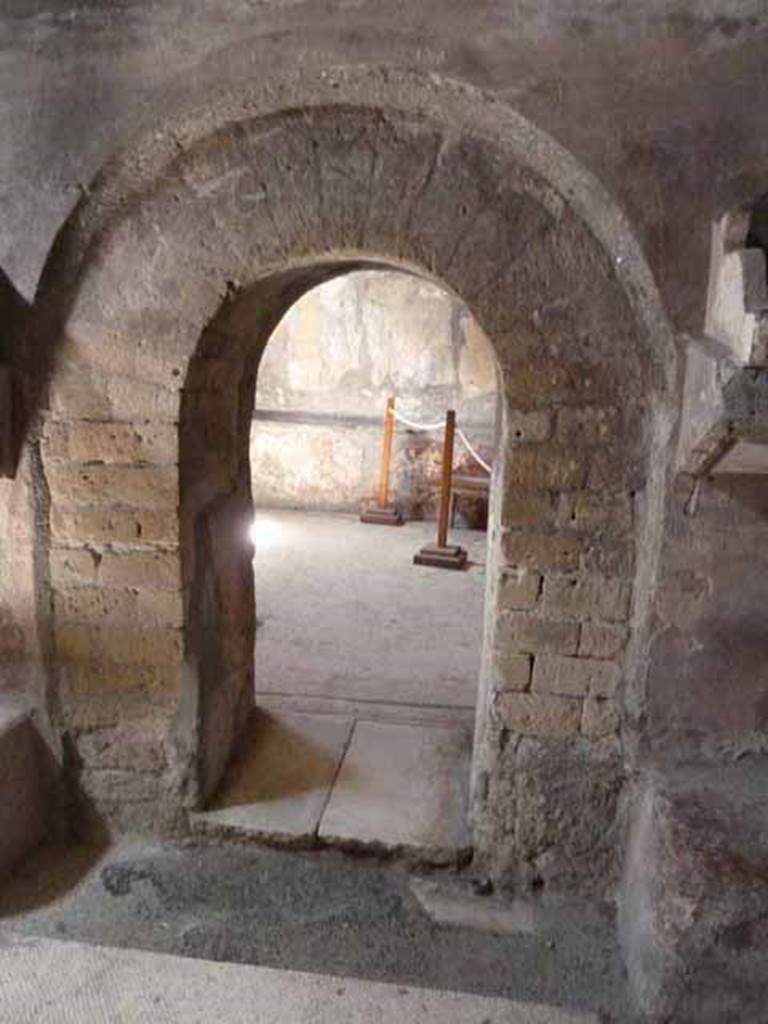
pixel 325 913
pixel 366 677
pixel 344 615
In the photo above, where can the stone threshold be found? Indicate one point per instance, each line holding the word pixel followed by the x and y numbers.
pixel 382 787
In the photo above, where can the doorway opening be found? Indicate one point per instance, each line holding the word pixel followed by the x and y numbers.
pixel 366 665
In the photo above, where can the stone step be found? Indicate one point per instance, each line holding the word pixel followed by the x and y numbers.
pixel 46 981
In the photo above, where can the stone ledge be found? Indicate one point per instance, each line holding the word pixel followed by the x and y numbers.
pixel 725 416
pixel 694 900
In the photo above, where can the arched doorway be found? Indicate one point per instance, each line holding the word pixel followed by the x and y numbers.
pixel 188 257
pixel 366 662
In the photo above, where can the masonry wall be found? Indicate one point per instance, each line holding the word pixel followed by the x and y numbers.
pixel 324 381
pixel 146 436
pixel 707 689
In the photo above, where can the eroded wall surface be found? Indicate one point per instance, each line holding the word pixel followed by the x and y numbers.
pixel 661 101
pixel 324 381
pixel 707 694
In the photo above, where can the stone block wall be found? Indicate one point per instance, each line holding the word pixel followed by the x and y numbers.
pixel 115 589
pixel 164 323
pixel 563 604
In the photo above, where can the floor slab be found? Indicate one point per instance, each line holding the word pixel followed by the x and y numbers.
pixel 402 786
pixel 280 784
pixel 369 711
pixel 45 981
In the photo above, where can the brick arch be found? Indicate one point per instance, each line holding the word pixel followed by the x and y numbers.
pixel 163 290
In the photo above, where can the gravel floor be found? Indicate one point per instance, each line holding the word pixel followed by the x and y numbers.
pixel 321 912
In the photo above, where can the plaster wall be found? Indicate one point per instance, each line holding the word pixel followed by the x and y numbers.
pixel 707 692
pixel 662 101
pixel 324 381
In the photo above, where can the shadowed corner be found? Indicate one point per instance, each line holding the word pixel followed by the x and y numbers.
pixel 14 318
pixel 50 834
pixel 275 762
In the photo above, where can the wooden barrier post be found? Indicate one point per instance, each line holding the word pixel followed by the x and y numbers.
pixel 445 478
pixel 443 555
pixel 386 452
pixel 383 513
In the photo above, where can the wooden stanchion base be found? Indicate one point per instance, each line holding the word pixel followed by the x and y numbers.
pixel 381 515
pixel 449 557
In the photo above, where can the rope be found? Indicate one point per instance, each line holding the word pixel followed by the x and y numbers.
pixel 465 441
pixel 437 426
pixel 417 426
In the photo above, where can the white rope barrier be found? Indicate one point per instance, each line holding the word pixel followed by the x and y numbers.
pixel 438 426
pixel 465 441
pixel 417 426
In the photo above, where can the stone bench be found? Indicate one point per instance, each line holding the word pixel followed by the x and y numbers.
pixel 694 904
pixel 25 783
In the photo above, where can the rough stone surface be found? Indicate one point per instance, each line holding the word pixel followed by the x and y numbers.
pixel 540 715
pixel 519 590
pixel 513 671
pixel 533 635
pixel 581 596
pixel 562 803
pixel 541 552
pixel 601 641
pixel 575 676
pixel 600 718
pixel 694 909
pixel 708 623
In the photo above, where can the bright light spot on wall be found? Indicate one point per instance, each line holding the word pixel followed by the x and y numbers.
pixel 265 532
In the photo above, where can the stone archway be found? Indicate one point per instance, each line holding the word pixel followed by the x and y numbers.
pixel 160 294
